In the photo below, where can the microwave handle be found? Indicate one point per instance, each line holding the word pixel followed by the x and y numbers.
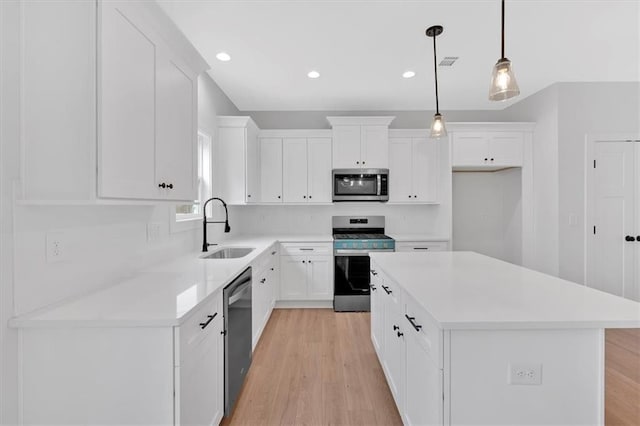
pixel 379 183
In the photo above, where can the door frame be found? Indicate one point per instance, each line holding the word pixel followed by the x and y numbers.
pixel 589 188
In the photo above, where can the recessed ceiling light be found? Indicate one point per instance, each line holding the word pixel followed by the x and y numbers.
pixel 408 74
pixel 223 56
pixel 313 74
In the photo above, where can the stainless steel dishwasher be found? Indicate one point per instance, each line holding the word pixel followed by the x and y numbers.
pixel 237 339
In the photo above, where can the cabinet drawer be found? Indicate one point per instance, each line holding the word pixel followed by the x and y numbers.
pixel 421 246
pixel 388 288
pixel 295 249
pixel 191 331
pixel 420 323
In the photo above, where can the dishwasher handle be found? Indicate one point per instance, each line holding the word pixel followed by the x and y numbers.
pixel 238 292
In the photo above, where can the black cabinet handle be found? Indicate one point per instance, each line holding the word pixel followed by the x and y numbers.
pixel 162 185
pixel 400 334
pixel 272 269
pixel 309 196
pixel 278 196
pixel 638 238
pixel 273 253
pixel 373 272
pixel 248 195
pixel 395 327
pixel 413 323
pixel 304 196
pixel 373 287
pixel 170 186
pixel 485 159
pixel 386 289
pixel 304 261
pixel 492 159
pixel 629 238
pixel 204 325
pixel 363 162
pixel 263 280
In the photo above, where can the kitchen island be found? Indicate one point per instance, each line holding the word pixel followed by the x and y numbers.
pixel 467 339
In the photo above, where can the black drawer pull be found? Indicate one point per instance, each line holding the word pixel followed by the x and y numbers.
pixel 204 325
pixel 395 327
pixel 373 272
pixel 373 287
pixel 413 323
pixel 273 253
pixel 386 289
pixel 263 280
pixel 421 248
pixel 400 334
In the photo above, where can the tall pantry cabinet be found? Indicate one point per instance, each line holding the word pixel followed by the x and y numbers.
pixel 109 102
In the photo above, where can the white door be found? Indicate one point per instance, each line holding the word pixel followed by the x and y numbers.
pixel 374 147
pixel 400 173
pixel 394 350
pixel 127 109
pixel 319 277
pixel 506 149
pixel 319 170
pixel 346 147
pixel 614 192
pixel 253 174
pixel 425 170
pixel 377 313
pixel 271 170
pixel 470 149
pixel 294 184
pixel 176 136
pixel 293 277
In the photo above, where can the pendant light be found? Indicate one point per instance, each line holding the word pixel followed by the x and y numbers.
pixel 503 82
pixel 438 127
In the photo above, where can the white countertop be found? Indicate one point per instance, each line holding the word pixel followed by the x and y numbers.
pixel 466 290
pixel 162 295
pixel 417 237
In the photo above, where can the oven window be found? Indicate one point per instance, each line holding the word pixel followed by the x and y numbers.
pixel 351 275
pixel 355 185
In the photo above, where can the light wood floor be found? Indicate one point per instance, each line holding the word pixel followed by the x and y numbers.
pixel 316 367
pixel 622 375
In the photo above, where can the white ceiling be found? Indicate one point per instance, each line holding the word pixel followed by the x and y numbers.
pixel 361 48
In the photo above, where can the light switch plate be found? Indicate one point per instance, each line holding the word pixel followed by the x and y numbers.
pixel 521 373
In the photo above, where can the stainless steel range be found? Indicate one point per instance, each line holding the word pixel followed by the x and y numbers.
pixel 354 237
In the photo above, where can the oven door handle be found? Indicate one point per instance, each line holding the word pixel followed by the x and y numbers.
pixel 345 252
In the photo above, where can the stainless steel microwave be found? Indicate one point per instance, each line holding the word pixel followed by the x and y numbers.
pixel 360 184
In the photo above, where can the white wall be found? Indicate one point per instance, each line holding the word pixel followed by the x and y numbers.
pixel 487 215
pixel 542 108
pixel 103 243
pixel 586 109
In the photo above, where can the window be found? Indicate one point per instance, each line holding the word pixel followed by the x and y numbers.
pixel 188 212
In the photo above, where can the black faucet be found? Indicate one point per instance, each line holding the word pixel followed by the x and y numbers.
pixel 227 228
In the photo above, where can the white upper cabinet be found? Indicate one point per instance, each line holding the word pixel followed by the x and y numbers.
pixel 271 170
pixel 294 160
pixel 113 114
pixel 305 164
pixel 237 161
pixel 487 150
pixel 413 169
pixel 360 142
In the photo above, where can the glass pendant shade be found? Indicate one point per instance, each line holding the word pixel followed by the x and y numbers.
pixel 438 127
pixel 503 82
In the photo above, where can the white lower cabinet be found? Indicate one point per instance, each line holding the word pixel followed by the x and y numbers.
pixel 306 272
pixel 408 346
pixel 161 375
pixel 421 246
pixel 265 278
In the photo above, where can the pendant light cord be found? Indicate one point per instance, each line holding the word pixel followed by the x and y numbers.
pixel 502 29
pixel 435 71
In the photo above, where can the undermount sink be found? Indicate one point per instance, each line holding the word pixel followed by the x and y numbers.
pixel 229 253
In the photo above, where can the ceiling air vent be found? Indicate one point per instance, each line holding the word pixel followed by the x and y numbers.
pixel 448 61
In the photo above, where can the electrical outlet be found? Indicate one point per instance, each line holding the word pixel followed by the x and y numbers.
pixel 153 232
pixel 56 244
pixel 525 374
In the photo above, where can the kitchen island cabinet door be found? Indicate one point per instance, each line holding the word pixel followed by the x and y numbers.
pixel 424 401
pixel 127 107
pixel 320 277
pixel 377 312
pixel 319 170
pixel 293 277
pixel 271 161
pixel 294 162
